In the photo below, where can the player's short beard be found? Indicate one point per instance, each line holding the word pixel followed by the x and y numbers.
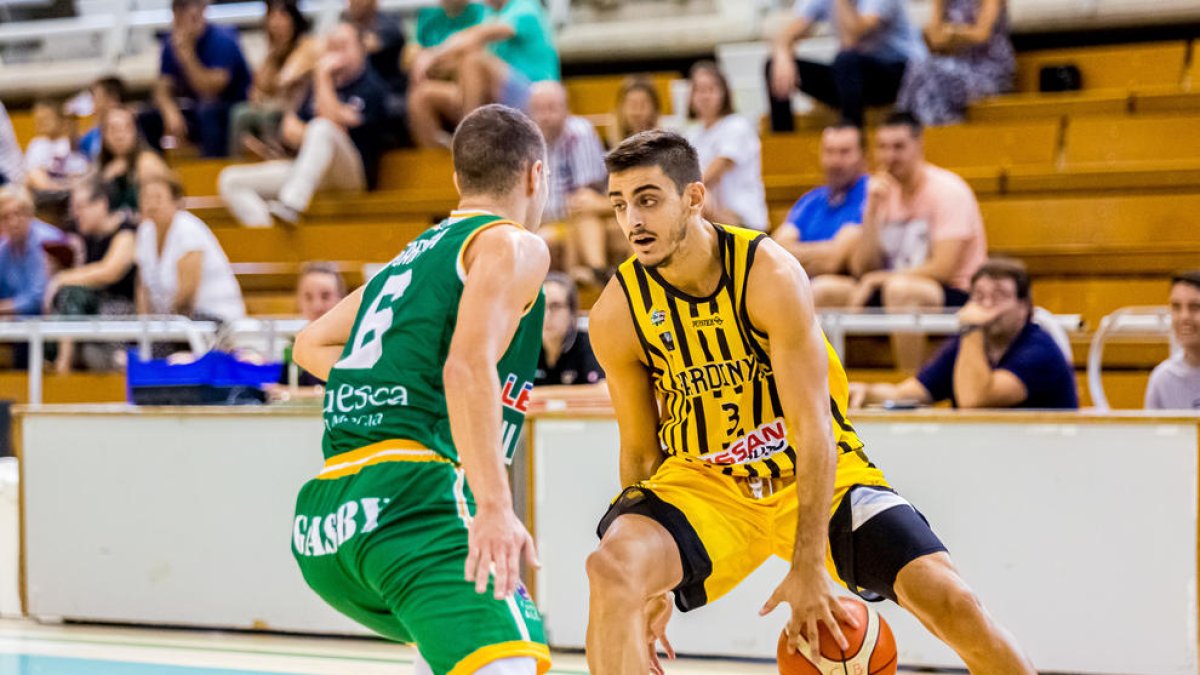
pixel 677 237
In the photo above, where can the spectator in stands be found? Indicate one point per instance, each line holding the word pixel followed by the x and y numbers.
pixel 575 166
pixel 125 159
pixel 12 164
pixel 566 357
pixel 318 290
pixel 202 76
pixel 729 149
pixel 972 58
pixel 876 43
pixel 638 109
pixel 53 160
pixel 24 268
pixel 493 62
pixel 436 24
pixel 1000 359
pixel 383 36
pixel 922 237
pixel 1175 383
pixel 181 266
pixel 107 93
pixel 104 284
pixel 278 84
pixel 823 228
pixel 336 132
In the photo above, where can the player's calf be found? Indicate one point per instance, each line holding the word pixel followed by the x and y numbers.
pixel 931 588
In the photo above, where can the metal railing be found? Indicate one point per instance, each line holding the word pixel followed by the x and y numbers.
pixel 201 336
pixel 839 324
pixel 1127 322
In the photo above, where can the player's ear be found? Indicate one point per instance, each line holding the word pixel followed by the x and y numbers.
pixel 694 195
pixel 536 176
pixel 455 177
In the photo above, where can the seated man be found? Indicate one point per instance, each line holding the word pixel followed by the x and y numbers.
pixel 922 238
pixel 24 269
pixel 575 165
pixel 493 62
pixel 876 42
pixel 53 161
pixel 203 74
pixel 822 229
pixel 1175 383
pixel 1000 359
pixel 336 132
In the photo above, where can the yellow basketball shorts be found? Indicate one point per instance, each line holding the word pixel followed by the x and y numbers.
pixel 724 533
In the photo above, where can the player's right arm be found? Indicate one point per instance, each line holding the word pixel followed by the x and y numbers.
pixel 616 345
pixel 505 270
pixel 319 346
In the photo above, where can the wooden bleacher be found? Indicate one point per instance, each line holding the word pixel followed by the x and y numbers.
pixel 1111 76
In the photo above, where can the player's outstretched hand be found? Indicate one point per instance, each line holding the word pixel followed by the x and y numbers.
pixel 496 540
pixel 813 602
pixel 658 615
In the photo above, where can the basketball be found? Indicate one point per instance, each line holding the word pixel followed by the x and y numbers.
pixel 872 648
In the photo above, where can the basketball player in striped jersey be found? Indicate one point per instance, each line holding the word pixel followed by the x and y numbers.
pixel 750 454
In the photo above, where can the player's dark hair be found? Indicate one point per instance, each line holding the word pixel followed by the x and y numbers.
pixel 1006 268
pixel 323 267
pixel 113 86
pixel 177 5
pixel 493 147
pixel 1190 277
pixel 568 283
pixel 665 149
pixel 711 68
pixel 901 118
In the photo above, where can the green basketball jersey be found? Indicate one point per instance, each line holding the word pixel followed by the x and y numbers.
pixel 388 383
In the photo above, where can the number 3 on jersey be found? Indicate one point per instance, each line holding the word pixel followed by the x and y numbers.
pixel 368 339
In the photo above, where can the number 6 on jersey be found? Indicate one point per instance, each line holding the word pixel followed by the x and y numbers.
pixel 368 337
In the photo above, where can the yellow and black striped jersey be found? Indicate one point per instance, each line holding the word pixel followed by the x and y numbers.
pixel 712 370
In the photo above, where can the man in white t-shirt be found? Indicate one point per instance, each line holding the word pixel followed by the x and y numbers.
pixel 922 237
pixel 189 274
pixel 1175 383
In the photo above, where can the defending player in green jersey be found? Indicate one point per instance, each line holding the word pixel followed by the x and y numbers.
pixel 409 529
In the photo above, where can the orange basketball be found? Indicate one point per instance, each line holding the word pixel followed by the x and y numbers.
pixel 872 648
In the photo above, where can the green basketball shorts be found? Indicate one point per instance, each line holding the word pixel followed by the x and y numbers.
pixel 381 535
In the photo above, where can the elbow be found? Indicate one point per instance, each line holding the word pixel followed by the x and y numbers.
pixel 304 350
pixel 462 372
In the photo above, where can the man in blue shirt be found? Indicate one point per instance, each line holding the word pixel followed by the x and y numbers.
pixel 23 272
pixel 876 41
pixel 822 229
pixel 202 75
pixel 1001 358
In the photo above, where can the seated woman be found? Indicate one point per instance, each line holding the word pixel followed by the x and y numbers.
pixel 104 285
pixel 278 83
pixel 53 160
pixel 125 160
pixel 638 109
pixel 972 57
pixel 181 266
pixel 730 152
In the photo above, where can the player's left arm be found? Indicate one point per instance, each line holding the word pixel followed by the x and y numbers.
pixel 319 346
pixel 779 303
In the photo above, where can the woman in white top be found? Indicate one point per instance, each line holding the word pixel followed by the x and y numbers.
pixel 181 266
pixel 730 152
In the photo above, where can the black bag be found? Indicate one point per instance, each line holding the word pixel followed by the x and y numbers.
pixel 1060 78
